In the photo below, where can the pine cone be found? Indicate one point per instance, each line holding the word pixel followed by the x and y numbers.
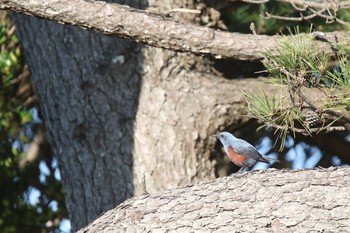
pixel 311 117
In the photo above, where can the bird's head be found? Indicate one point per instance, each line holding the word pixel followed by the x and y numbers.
pixel 225 137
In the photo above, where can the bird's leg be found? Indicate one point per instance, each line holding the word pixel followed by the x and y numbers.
pixel 241 169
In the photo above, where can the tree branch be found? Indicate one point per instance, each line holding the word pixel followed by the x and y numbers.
pixel 298 19
pixel 305 4
pixel 302 5
pixel 152 29
pixel 265 201
pixel 308 131
pixel 329 18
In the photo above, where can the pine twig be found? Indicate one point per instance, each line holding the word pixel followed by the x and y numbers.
pixel 306 132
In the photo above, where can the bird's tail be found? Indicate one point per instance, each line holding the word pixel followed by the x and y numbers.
pixel 271 160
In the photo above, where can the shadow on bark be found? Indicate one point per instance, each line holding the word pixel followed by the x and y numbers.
pixel 90 101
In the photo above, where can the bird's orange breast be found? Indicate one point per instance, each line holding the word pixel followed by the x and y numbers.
pixel 236 158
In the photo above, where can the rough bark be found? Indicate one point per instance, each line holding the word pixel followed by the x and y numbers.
pixel 117 112
pixel 181 116
pixel 182 103
pixel 155 30
pixel 260 201
pixel 88 86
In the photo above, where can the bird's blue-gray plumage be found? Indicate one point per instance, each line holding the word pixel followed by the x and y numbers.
pixel 241 147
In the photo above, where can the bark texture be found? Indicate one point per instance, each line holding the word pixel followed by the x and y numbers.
pixel 155 29
pixel 182 103
pixel 122 116
pixel 117 112
pixel 88 86
pixel 259 201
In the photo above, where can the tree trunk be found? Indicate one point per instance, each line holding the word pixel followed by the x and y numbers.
pixel 116 113
pixel 88 86
pixel 259 201
pixel 123 117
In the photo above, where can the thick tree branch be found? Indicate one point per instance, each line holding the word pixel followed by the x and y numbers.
pixel 272 201
pixel 151 29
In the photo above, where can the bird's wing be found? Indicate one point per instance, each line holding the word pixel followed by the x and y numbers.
pixel 244 148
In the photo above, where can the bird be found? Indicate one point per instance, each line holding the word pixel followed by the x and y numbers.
pixel 240 152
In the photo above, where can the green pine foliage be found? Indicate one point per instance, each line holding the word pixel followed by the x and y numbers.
pixel 297 67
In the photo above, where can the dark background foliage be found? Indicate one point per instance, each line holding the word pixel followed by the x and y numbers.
pixel 31 199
